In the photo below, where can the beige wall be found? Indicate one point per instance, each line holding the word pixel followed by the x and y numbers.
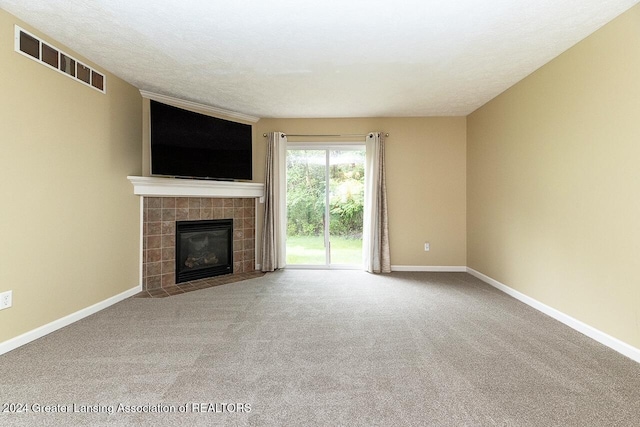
pixel 426 172
pixel 553 182
pixel 69 223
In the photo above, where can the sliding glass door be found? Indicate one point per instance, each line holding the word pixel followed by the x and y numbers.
pixel 325 199
pixel 306 207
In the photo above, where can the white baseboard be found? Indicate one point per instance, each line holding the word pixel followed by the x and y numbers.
pixel 440 269
pixel 593 333
pixel 34 334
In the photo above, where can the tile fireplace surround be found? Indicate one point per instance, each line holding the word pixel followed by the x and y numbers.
pixel 167 200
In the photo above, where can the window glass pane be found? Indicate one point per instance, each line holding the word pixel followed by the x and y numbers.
pixel 346 205
pixel 306 197
pixel 67 65
pixel 29 45
pixel 49 55
pixel 97 81
pixel 84 73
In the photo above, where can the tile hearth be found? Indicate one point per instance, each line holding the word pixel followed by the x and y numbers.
pixel 196 285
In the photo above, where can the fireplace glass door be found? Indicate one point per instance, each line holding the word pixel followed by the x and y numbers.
pixel 203 249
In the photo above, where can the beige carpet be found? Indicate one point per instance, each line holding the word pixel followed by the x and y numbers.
pixel 334 348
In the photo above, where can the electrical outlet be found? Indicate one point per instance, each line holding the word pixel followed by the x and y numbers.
pixel 6 299
pixel 427 247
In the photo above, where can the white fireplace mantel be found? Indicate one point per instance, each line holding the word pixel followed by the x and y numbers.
pixel 175 187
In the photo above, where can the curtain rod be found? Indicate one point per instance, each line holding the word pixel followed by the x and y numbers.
pixel 329 136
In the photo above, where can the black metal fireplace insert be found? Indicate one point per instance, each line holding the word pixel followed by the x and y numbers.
pixel 203 249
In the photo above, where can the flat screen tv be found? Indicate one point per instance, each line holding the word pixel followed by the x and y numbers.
pixel 192 145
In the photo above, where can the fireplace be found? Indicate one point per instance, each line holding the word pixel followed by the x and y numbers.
pixel 204 248
pixel 160 216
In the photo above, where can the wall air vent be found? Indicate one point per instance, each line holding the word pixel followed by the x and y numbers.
pixel 32 47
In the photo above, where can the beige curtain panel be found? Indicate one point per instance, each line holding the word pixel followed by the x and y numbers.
pixel 275 208
pixel 375 241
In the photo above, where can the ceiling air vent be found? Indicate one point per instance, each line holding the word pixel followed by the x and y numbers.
pixel 32 47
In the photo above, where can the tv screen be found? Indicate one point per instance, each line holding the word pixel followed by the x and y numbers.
pixel 193 145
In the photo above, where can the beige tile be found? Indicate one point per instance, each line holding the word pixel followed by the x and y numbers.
pixel 153 228
pixel 168 267
pixel 169 202
pixel 168 227
pixel 168 214
pixel 249 265
pixel 168 280
pixel 154 269
pixel 154 215
pixel 182 214
pixel 168 241
pixel 157 293
pixel 168 254
pixel 182 202
pixel 173 290
pixel 153 282
pixel 153 202
pixel 154 242
pixel 154 255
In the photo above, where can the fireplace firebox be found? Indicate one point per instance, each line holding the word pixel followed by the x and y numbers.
pixel 203 249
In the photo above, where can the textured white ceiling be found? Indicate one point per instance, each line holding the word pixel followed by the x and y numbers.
pixel 329 58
